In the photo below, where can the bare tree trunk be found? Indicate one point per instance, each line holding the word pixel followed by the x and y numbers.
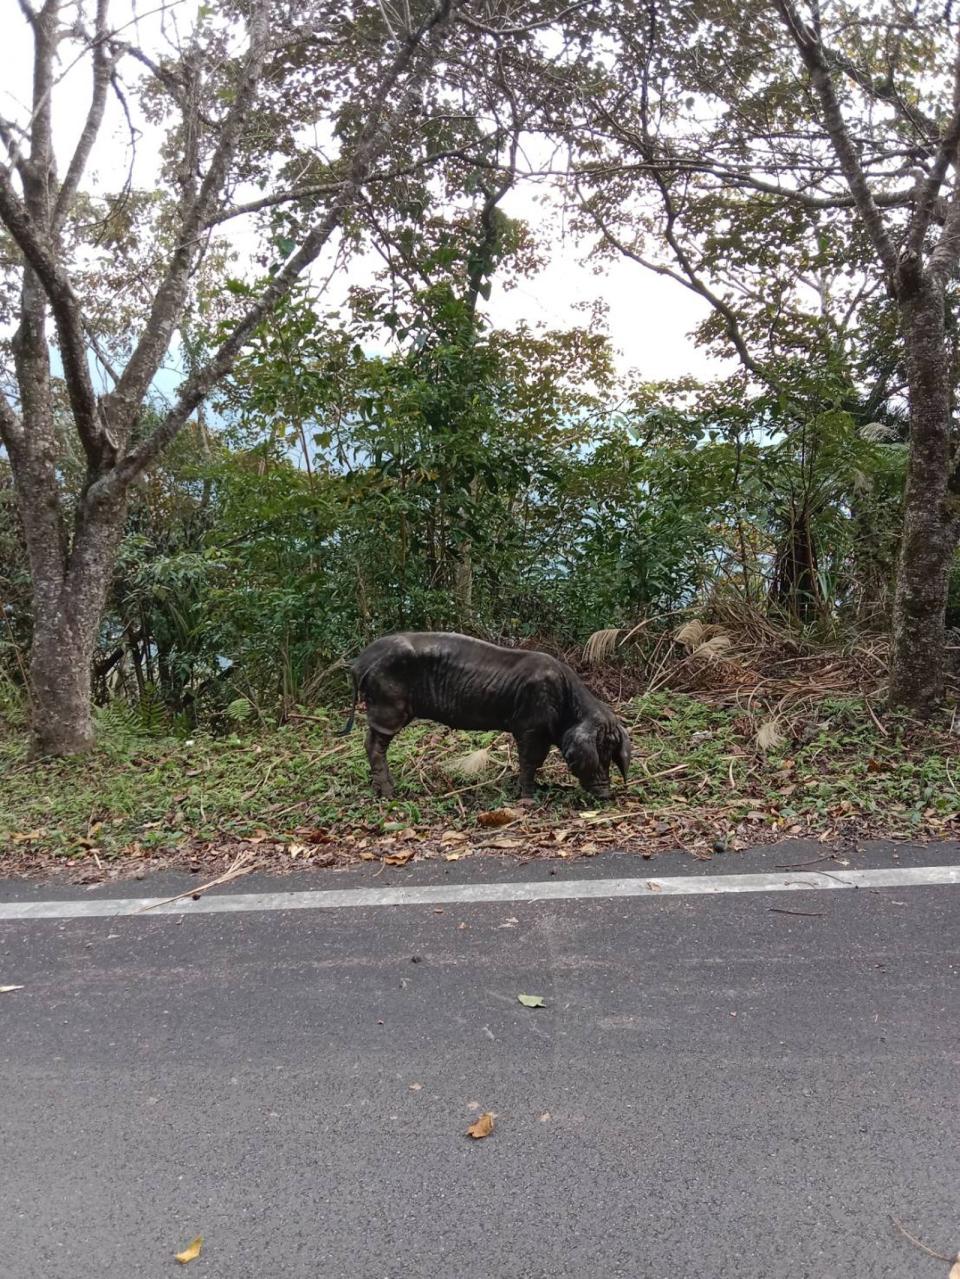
pixel 930 513
pixel 69 599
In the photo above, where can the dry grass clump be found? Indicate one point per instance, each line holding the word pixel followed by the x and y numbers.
pixel 735 652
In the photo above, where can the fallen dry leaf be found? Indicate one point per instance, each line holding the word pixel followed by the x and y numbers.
pixel 27 836
pixel 654 886
pixel 505 842
pixel 5 990
pixel 451 857
pixel 399 859
pixel 414 1087
pixel 453 837
pixel 367 856
pixel 500 816
pixel 296 849
pixel 481 1127
pixel 532 1001
pixel 191 1252
pixel 545 1116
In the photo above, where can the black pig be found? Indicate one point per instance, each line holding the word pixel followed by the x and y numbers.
pixel 467 683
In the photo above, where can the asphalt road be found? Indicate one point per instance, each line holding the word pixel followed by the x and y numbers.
pixel 714 1088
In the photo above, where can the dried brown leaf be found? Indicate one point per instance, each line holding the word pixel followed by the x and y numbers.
pixel 191 1252
pixel 499 816
pixel 481 1127
pixel 399 859
pixel 453 837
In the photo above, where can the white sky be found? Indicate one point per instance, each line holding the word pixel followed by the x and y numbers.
pixel 649 318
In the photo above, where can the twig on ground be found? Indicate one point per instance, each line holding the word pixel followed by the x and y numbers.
pixel 486 781
pixel 316 756
pixel 240 866
pixel 870 711
pixel 262 782
pixel 940 1256
pixel 783 910
pixel 799 865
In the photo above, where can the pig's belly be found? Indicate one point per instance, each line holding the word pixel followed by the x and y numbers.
pixel 476 715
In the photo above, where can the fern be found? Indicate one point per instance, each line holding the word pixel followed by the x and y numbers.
pixel 238 710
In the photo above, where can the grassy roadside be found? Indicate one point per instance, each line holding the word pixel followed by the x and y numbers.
pixel 298 795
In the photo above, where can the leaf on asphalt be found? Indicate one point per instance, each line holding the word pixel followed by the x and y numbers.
pixel 481 1127
pixel 191 1252
pixel 654 886
pixel 5 990
pixel 532 1001
pixel 499 816
pixel 399 859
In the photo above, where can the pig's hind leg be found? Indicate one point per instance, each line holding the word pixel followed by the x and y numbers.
pixel 384 720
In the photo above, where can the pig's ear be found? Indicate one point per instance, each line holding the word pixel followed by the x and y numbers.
pixel 622 753
pixel 578 746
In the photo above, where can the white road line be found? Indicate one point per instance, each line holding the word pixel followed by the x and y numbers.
pixel 439 894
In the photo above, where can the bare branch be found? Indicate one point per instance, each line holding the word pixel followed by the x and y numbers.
pixel 270 201
pixel 376 134
pixel 816 61
pixel 944 258
pixel 66 314
pixel 11 428
pixel 946 255
pixel 693 282
pixel 195 209
pixel 102 68
pixel 332 188
pixel 475 25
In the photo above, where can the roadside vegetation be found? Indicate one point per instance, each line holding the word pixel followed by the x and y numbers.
pixel 232 451
pixel 716 770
